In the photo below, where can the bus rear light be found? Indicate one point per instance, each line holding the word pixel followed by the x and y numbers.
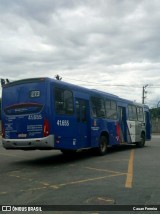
pixel 46 128
pixel 118 131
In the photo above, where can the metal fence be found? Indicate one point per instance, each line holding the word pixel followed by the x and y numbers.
pixel 156 125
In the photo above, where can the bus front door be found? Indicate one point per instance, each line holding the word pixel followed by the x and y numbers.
pixel 122 123
pixel 82 120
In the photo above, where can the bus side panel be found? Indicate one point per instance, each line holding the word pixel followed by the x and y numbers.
pixel 72 131
pixel 114 136
pixel 135 129
pixel 65 132
pixel 104 126
pixel 148 125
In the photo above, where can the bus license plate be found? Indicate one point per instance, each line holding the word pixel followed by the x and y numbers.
pixel 22 135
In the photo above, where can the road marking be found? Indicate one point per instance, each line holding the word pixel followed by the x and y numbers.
pixel 110 160
pixel 104 170
pixel 21 177
pixel 105 200
pixel 33 189
pixel 85 180
pixel 46 185
pixel 129 178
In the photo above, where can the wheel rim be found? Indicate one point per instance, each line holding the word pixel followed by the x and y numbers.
pixel 143 140
pixel 103 144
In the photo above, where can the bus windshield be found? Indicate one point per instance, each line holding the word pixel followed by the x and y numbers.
pixel 27 97
pixel 26 108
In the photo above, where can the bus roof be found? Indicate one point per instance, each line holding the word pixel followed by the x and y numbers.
pixel 23 81
pixel 105 93
pixel 75 87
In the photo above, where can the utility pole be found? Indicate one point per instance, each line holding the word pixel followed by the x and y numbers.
pixel 143 93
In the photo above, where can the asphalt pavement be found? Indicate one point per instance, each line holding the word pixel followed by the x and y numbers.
pixel 125 176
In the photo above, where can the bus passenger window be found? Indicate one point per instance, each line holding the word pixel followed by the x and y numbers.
pixel 63 101
pixel 68 100
pixel 93 107
pixel 81 110
pixel 132 112
pixel 111 109
pixel 97 107
pixel 78 113
pixel 84 112
pixel 140 114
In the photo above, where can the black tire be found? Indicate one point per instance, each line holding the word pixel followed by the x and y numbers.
pixel 102 149
pixel 142 142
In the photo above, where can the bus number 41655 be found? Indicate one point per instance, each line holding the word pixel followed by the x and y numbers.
pixel 62 122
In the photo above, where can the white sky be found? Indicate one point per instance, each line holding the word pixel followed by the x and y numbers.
pixel 110 45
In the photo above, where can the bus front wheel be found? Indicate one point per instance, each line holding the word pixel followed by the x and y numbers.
pixel 102 149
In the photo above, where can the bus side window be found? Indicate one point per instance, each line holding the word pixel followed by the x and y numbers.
pixel 111 109
pixel 140 114
pixel 132 112
pixel 81 110
pixel 120 115
pixel 68 102
pixel 63 101
pixel 78 114
pixel 59 101
pixel 93 107
pixel 84 112
pixel 97 107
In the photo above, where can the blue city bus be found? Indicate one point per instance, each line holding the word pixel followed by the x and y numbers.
pixel 44 113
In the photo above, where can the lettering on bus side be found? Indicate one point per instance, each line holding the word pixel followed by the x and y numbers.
pixel 62 122
pixel 35 117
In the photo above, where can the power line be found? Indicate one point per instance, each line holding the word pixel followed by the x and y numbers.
pixel 114 85
pixel 104 84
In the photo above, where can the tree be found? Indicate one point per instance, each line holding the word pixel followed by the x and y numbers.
pixel 155 112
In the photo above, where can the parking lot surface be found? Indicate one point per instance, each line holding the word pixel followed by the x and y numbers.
pixel 125 176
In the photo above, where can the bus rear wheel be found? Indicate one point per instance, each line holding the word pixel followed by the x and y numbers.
pixel 142 142
pixel 102 149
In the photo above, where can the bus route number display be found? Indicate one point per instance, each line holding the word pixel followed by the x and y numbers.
pixel 62 122
pixel 34 94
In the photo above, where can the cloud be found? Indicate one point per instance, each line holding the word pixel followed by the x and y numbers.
pixel 110 43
